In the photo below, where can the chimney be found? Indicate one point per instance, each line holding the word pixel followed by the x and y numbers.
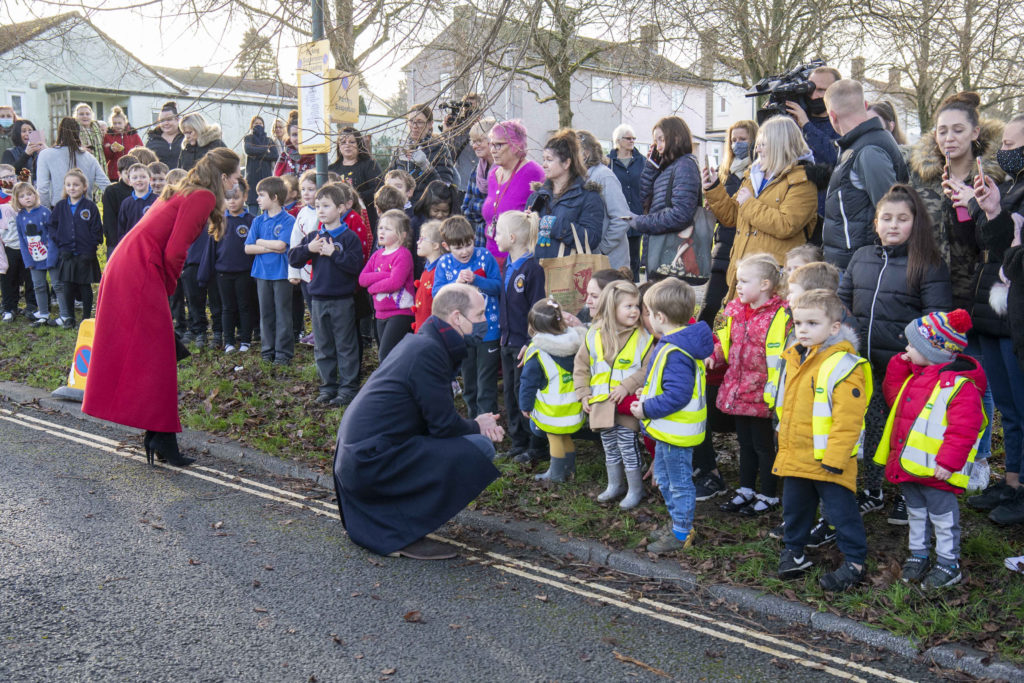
pixel 857 69
pixel 894 79
pixel 649 34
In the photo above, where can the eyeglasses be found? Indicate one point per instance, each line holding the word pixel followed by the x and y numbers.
pixel 626 137
pixel 498 145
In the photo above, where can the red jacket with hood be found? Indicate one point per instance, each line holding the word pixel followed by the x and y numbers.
pixel 964 414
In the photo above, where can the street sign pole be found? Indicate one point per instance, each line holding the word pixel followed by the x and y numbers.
pixel 318 34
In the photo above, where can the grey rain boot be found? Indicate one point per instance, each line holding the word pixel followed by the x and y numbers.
pixel 636 489
pixel 559 469
pixel 616 484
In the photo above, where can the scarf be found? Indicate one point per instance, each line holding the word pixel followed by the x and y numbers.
pixel 482 169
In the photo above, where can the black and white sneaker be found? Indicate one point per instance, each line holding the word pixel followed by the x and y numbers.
pixel 822 534
pixel 842 579
pixel 778 532
pixel 791 565
pixel 942 575
pixel 898 513
pixel 915 569
pixel 709 486
pixel 870 500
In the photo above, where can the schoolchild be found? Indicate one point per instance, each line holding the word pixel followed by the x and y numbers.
pixel 157 176
pixel 672 406
pixel 429 249
pixel 14 275
pixel 610 366
pixel 752 340
pixel 227 266
pixel 38 251
pixel 337 257
pixel 76 228
pixel 305 223
pixel 824 389
pixel 931 439
pixel 522 287
pixel 472 265
pixel 293 203
pixel 546 398
pixel 113 196
pixel 268 242
pixel 138 202
pixel 389 197
pixel 886 285
pixel 387 276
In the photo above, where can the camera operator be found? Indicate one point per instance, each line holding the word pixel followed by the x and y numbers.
pixel 460 117
pixel 818 132
pixel 871 162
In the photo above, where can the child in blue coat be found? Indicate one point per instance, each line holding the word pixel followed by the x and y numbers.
pixel 76 228
pixel 38 251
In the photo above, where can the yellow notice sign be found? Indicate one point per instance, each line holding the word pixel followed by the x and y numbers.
pixel 344 97
pixel 314 97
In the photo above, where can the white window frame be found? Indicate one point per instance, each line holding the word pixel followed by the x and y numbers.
pixel 723 104
pixel 21 96
pixel 601 89
pixel 640 95
pixel 678 99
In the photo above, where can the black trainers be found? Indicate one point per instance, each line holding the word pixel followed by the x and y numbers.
pixel 791 565
pixel 737 503
pixel 709 486
pixel 869 500
pixel 898 513
pixel 842 579
pixel 942 575
pixel 915 569
pixel 992 497
pixel 761 505
pixel 1011 510
pixel 822 534
pixel 778 532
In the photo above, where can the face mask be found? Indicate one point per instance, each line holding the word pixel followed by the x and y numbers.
pixel 258 130
pixel 1011 160
pixel 6 123
pixel 477 334
pixel 740 150
pixel 816 107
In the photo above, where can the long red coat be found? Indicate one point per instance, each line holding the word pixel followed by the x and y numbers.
pixel 133 374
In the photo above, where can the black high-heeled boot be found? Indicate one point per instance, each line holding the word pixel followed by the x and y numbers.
pixel 165 446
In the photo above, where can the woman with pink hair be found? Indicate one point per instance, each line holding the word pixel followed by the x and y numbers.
pixel 508 183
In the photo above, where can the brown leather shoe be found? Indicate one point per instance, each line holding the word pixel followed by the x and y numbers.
pixel 425 549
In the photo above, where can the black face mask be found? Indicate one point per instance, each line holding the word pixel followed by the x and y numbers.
pixel 1011 160
pixel 816 107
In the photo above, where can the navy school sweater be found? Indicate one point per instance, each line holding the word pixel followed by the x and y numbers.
pixel 334 276
pixel 131 212
pixel 228 255
pixel 79 232
pixel 523 286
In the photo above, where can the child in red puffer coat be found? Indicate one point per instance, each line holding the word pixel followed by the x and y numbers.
pixel 931 438
pixel 757 326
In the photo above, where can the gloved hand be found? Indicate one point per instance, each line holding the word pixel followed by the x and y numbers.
pixel 419 157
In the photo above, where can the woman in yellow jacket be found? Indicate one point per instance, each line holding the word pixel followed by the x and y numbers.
pixel 776 207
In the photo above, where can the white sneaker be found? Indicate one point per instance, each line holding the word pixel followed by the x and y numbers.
pixel 980 476
pixel 230 348
pixel 1015 564
pixel 7 317
pixel 243 348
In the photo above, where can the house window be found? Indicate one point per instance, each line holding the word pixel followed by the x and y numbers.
pixel 443 83
pixel 723 105
pixel 641 95
pixel 16 104
pixel 601 89
pixel 678 96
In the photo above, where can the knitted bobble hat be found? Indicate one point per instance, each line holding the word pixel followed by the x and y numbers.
pixel 939 337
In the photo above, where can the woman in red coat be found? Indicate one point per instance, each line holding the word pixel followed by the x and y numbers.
pixel 119 138
pixel 133 377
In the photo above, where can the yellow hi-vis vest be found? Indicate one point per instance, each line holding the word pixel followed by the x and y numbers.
pixel 831 372
pixel 604 376
pixel 556 410
pixel 774 344
pixel 925 436
pixel 686 426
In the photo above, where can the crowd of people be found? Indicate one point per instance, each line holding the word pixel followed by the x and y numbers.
pixel 863 294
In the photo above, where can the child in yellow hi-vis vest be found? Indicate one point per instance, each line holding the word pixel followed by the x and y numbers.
pixel 824 389
pixel 672 405
pixel 546 395
pixel 931 438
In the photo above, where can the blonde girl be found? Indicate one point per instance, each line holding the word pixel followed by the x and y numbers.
pixel 38 251
pixel 610 366
pixel 546 395
pixel 387 276
pixel 76 228
pixel 755 333
pixel 118 139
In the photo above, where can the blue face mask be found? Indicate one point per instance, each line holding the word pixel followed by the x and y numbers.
pixel 740 150
pixel 6 123
pixel 477 334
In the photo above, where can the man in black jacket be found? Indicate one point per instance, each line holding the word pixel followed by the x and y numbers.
pixel 870 162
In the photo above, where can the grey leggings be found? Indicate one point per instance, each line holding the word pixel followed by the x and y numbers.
pixel 620 447
pixel 42 290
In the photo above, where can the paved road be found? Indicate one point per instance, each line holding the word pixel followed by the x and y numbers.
pixel 111 570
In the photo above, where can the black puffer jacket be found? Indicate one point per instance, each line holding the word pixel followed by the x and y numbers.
pixel 994 237
pixel 874 289
pixel 725 235
pixel 1013 267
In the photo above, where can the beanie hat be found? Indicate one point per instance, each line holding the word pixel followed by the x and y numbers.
pixel 939 337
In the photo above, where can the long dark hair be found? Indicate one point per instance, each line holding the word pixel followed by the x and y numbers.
pixel 363 152
pixel 437 192
pixel 922 251
pixel 678 140
pixel 566 146
pixel 68 136
pixel 968 103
